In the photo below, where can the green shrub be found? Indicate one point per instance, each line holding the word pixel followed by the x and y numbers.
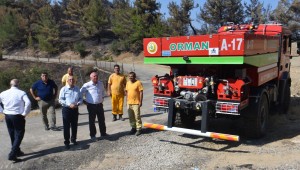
pixel 115 48
pixel 80 48
pixel 26 78
pixel 97 55
pixel 108 58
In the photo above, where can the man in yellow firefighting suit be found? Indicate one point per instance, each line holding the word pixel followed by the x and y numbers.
pixel 116 87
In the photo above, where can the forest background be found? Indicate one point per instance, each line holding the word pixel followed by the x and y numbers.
pixel 121 25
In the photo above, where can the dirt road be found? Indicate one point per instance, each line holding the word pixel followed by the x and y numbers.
pixel 280 149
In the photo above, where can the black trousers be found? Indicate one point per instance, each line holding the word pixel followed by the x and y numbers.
pixel 70 119
pixel 16 129
pixel 96 110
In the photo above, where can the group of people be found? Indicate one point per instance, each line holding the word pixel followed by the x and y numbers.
pixel 16 105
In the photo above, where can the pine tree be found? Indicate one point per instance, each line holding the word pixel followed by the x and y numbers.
pixel 95 19
pixel 132 24
pixel 64 4
pixel 254 12
pixel 282 13
pixel 47 30
pixel 294 24
pixel 180 20
pixel 177 25
pixel 75 12
pixel 11 26
pixel 217 13
pixel 119 4
pixel 58 12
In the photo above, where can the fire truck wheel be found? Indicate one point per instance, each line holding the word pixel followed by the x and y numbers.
pixel 256 118
pixel 284 107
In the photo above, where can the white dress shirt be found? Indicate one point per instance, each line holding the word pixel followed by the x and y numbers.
pixel 15 102
pixel 94 93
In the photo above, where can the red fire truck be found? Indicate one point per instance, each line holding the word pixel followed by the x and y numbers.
pixel 240 72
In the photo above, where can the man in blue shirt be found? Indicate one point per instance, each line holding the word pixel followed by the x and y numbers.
pixel 70 98
pixel 44 91
pixel 94 93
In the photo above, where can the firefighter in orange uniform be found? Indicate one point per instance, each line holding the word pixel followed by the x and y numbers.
pixel 116 87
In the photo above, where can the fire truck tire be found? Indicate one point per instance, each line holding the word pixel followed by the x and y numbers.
pixel 284 107
pixel 256 118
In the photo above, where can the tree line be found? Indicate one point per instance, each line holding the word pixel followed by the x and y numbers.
pixel 56 26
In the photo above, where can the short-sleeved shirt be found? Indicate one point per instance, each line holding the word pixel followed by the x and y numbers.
pixel 118 83
pixel 65 78
pixel 133 92
pixel 44 90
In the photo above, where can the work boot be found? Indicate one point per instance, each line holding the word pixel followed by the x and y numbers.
pixel 138 133
pixel 132 131
pixel 114 118
pixel 121 118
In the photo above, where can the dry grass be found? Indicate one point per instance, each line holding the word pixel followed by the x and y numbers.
pixel 129 58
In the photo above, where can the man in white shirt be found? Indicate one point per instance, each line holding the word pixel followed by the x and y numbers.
pixel 94 93
pixel 16 106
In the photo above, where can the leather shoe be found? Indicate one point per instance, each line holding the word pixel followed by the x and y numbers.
pixel 15 159
pixel 74 143
pixel 54 128
pixel 20 153
pixel 104 134
pixel 94 139
pixel 47 128
pixel 67 147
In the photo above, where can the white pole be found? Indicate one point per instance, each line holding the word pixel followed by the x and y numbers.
pixel 193 132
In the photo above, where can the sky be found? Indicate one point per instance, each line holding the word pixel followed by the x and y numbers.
pixel 164 7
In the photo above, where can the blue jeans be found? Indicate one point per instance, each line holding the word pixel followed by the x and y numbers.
pixel 16 129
